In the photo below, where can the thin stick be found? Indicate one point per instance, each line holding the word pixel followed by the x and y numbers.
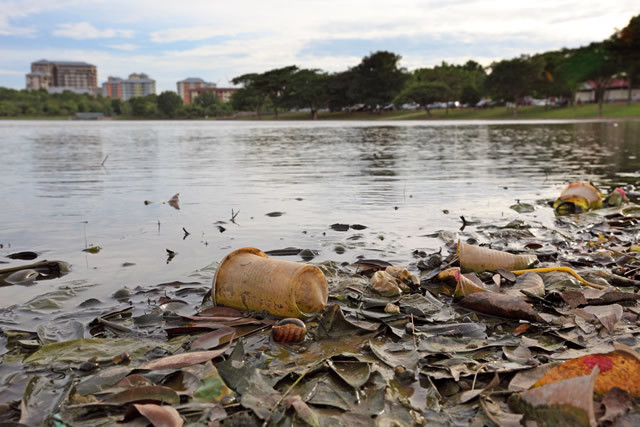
pixel 105 159
pixel 289 389
pixel 559 268
pixel 413 332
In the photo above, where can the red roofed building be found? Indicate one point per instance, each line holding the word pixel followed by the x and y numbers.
pixel 617 91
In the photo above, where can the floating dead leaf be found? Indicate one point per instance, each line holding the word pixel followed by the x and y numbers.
pixel 500 305
pixel 339 227
pixel 472 394
pixel 26 255
pixel 155 393
pixel 183 359
pixel 42 396
pixel 529 282
pixel 615 404
pixel 303 410
pixel 566 402
pixel 619 368
pixel 608 315
pixel 213 338
pixel 354 373
pixel 165 416
pixel 520 354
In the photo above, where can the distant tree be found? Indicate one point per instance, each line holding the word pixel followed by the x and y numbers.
pixel 248 99
pixel 143 106
pixel 338 90
pixel 625 45
pixel 206 99
pixel 254 93
pixel 116 106
pixel 9 108
pixel 309 89
pixel 512 79
pixel 277 83
pixel 169 103
pixel 377 80
pixel 457 77
pixel 470 95
pixel 210 103
pixel 424 93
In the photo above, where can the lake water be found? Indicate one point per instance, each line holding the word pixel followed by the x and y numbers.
pixel 404 181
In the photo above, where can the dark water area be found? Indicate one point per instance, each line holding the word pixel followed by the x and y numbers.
pixel 403 181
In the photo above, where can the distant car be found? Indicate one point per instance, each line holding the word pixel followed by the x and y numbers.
pixel 484 103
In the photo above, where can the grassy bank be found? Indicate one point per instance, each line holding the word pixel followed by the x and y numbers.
pixel 589 111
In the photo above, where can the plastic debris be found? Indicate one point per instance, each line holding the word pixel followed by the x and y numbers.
pixel 247 279
pixel 578 197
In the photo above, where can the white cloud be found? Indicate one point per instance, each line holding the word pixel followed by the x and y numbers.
pixel 11 73
pixel 258 38
pixel 14 10
pixel 84 30
pixel 188 33
pixel 124 46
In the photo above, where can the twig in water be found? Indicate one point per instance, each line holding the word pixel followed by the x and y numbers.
pixel 105 159
pixel 85 234
pixel 233 216
pixel 413 332
pixel 266 422
pixel 464 223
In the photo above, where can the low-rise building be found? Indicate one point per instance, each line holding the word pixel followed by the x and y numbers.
pixel 186 86
pixel 58 76
pixel 223 93
pixel 617 91
pixel 125 89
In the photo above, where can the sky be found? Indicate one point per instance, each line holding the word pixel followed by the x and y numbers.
pixel 218 40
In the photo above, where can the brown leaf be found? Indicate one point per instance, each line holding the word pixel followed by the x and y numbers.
pixel 568 402
pixel 500 305
pixel 615 404
pixel 155 393
pixel 303 410
pixel 608 315
pixel 160 416
pixel 213 338
pixel 183 359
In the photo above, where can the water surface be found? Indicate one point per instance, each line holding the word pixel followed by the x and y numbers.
pixel 403 181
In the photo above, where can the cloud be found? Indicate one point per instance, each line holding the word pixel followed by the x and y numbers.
pixel 124 46
pixel 184 34
pixel 11 73
pixel 84 30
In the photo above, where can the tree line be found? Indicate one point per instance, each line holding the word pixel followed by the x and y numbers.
pixel 168 104
pixel 376 83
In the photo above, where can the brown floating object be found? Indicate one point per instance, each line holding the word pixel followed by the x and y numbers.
pixel 289 331
pixel 477 259
pixel 247 279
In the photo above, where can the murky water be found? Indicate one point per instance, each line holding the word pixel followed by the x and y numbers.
pixel 403 181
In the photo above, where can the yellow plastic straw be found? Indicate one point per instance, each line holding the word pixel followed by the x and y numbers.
pixel 558 268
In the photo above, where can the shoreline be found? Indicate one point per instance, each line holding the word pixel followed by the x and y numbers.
pixel 586 112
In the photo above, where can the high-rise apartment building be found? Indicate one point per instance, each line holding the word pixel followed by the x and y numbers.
pixel 125 89
pixel 187 87
pixel 58 76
